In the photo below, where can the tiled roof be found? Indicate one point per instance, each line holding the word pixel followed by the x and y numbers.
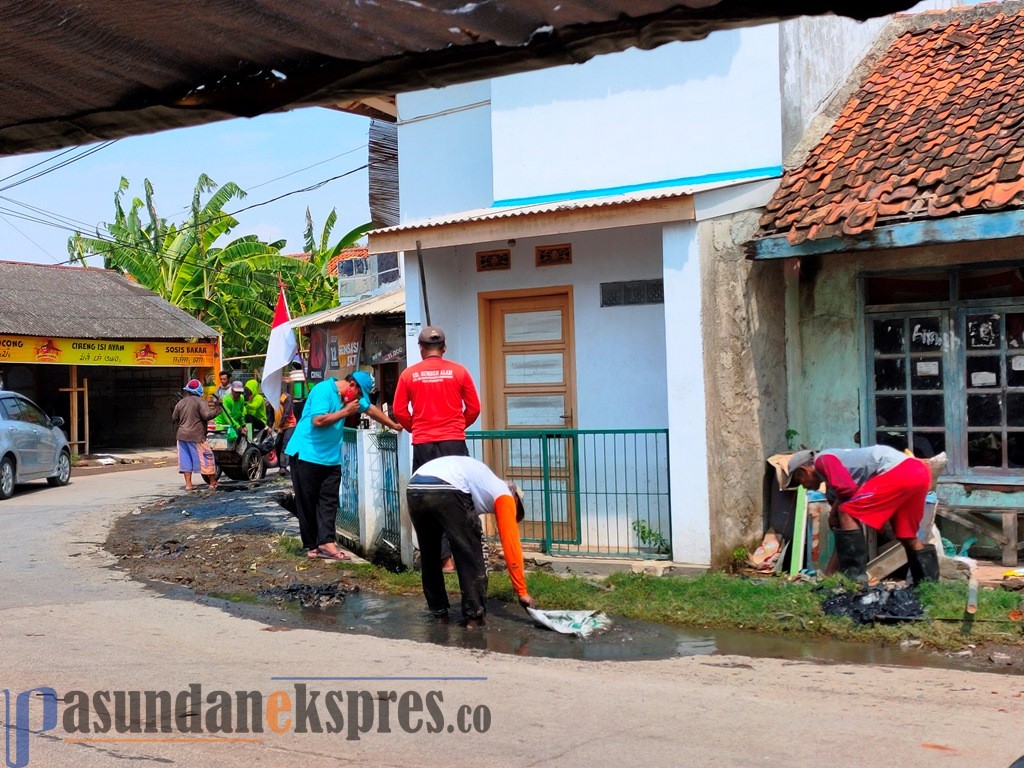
pixel 936 129
pixel 76 302
pixel 354 252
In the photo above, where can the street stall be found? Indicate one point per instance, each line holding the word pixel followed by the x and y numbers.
pixel 107 355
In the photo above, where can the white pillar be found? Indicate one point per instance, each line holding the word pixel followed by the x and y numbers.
pixel 408 544
pixel 415 320
pixel 371 511
pixel 415 313
pixel 687 418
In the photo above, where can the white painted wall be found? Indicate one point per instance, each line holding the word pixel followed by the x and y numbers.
pixel 444 146
pixel 620 351
pixel 687 418
pixel 620 366
pixel 681 110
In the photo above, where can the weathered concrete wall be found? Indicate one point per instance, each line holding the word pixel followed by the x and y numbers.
pixel 745 378
pixel 831 337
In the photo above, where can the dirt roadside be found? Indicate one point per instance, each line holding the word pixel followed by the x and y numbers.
pixel 222 543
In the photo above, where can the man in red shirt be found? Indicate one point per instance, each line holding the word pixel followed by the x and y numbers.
pixel 436 400
pixel 872 485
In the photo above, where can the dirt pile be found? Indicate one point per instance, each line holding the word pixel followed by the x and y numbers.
pixel 219 544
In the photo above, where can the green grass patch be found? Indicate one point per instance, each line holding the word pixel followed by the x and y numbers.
pixel 772 606
pixel 289 546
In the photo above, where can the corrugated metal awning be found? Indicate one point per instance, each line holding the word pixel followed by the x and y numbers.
pixel 391 303
pixel 561 216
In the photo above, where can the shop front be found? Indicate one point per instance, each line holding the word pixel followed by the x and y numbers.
pixel 110 357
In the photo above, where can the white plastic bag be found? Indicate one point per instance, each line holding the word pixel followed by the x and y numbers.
pixel 581 623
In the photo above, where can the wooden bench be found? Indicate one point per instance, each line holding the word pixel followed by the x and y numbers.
pixel 973 517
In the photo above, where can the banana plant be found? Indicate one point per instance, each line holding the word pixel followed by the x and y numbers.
pixel 231 287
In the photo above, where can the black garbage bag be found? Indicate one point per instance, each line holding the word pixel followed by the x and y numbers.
pixel 879 603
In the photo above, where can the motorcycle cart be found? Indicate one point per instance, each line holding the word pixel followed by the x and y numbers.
pixel 237 456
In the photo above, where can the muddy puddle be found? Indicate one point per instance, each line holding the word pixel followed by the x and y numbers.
pixel 215 549
pixel 509 630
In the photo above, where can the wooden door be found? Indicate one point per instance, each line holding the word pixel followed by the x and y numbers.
pixel 530 386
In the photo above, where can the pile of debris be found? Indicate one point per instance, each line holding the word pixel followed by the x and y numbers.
pixel 308 595
pixel 884 603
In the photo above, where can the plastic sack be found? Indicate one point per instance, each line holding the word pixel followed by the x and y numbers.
pixel 581 623
pixel 879 603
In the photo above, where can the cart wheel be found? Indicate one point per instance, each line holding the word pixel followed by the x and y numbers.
pixel 253 465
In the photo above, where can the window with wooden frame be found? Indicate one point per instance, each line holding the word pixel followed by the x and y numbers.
pixel 945 366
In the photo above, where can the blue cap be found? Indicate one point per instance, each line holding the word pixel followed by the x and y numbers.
pixel 365 382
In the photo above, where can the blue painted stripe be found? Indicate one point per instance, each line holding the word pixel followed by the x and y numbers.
pixel 979 226
pixel 582 194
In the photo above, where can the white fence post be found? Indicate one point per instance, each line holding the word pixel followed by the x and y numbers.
pixel 370 510
pixel 404 467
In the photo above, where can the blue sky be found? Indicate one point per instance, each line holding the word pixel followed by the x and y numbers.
pixel 249 152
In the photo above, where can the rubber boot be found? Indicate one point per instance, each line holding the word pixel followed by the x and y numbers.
pixel 924 564
pixel 852 553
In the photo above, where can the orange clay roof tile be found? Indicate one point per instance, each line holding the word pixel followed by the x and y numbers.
pixel 936 129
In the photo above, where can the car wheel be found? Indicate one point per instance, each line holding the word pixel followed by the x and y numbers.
pixel 253 465
pixel 63 476
pixel 6 478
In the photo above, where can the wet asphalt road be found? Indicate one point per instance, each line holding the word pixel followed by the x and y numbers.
pixel 70 621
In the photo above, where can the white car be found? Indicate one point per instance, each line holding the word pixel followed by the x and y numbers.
pixel 32 447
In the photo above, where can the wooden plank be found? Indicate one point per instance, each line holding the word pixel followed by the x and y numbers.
pixel 895 556
pixel 85 398
pixel 1010 538
pixel 981 226
pixel 974 525
pixel 799 533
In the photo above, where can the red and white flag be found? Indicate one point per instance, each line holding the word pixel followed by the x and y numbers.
pixel 281 350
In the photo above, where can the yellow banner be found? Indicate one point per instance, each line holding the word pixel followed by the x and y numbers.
pixel 167 354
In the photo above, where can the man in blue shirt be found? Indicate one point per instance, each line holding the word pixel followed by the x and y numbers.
pixel 315 449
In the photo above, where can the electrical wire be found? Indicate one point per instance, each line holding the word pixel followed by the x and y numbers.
pixel 308 167
pixel 58 217
pixel 60 222
pixel 63 164
pixel 65 222
pixel 36 165
pixel 37 245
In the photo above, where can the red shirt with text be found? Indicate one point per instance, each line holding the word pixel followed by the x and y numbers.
pixel 436 400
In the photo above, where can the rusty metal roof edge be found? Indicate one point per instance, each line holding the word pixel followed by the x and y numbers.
pixel 388 303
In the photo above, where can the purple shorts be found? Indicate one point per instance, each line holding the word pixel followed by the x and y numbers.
pixel 195 457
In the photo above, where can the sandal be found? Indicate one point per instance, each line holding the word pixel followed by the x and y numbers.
pixel 313 554
pixel 339 555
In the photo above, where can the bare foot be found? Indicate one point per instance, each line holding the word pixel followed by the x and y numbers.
pixel 448 565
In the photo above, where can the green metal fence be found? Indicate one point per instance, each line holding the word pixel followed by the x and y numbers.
pixel 348 496
pixel 384 480
pixel 595 493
